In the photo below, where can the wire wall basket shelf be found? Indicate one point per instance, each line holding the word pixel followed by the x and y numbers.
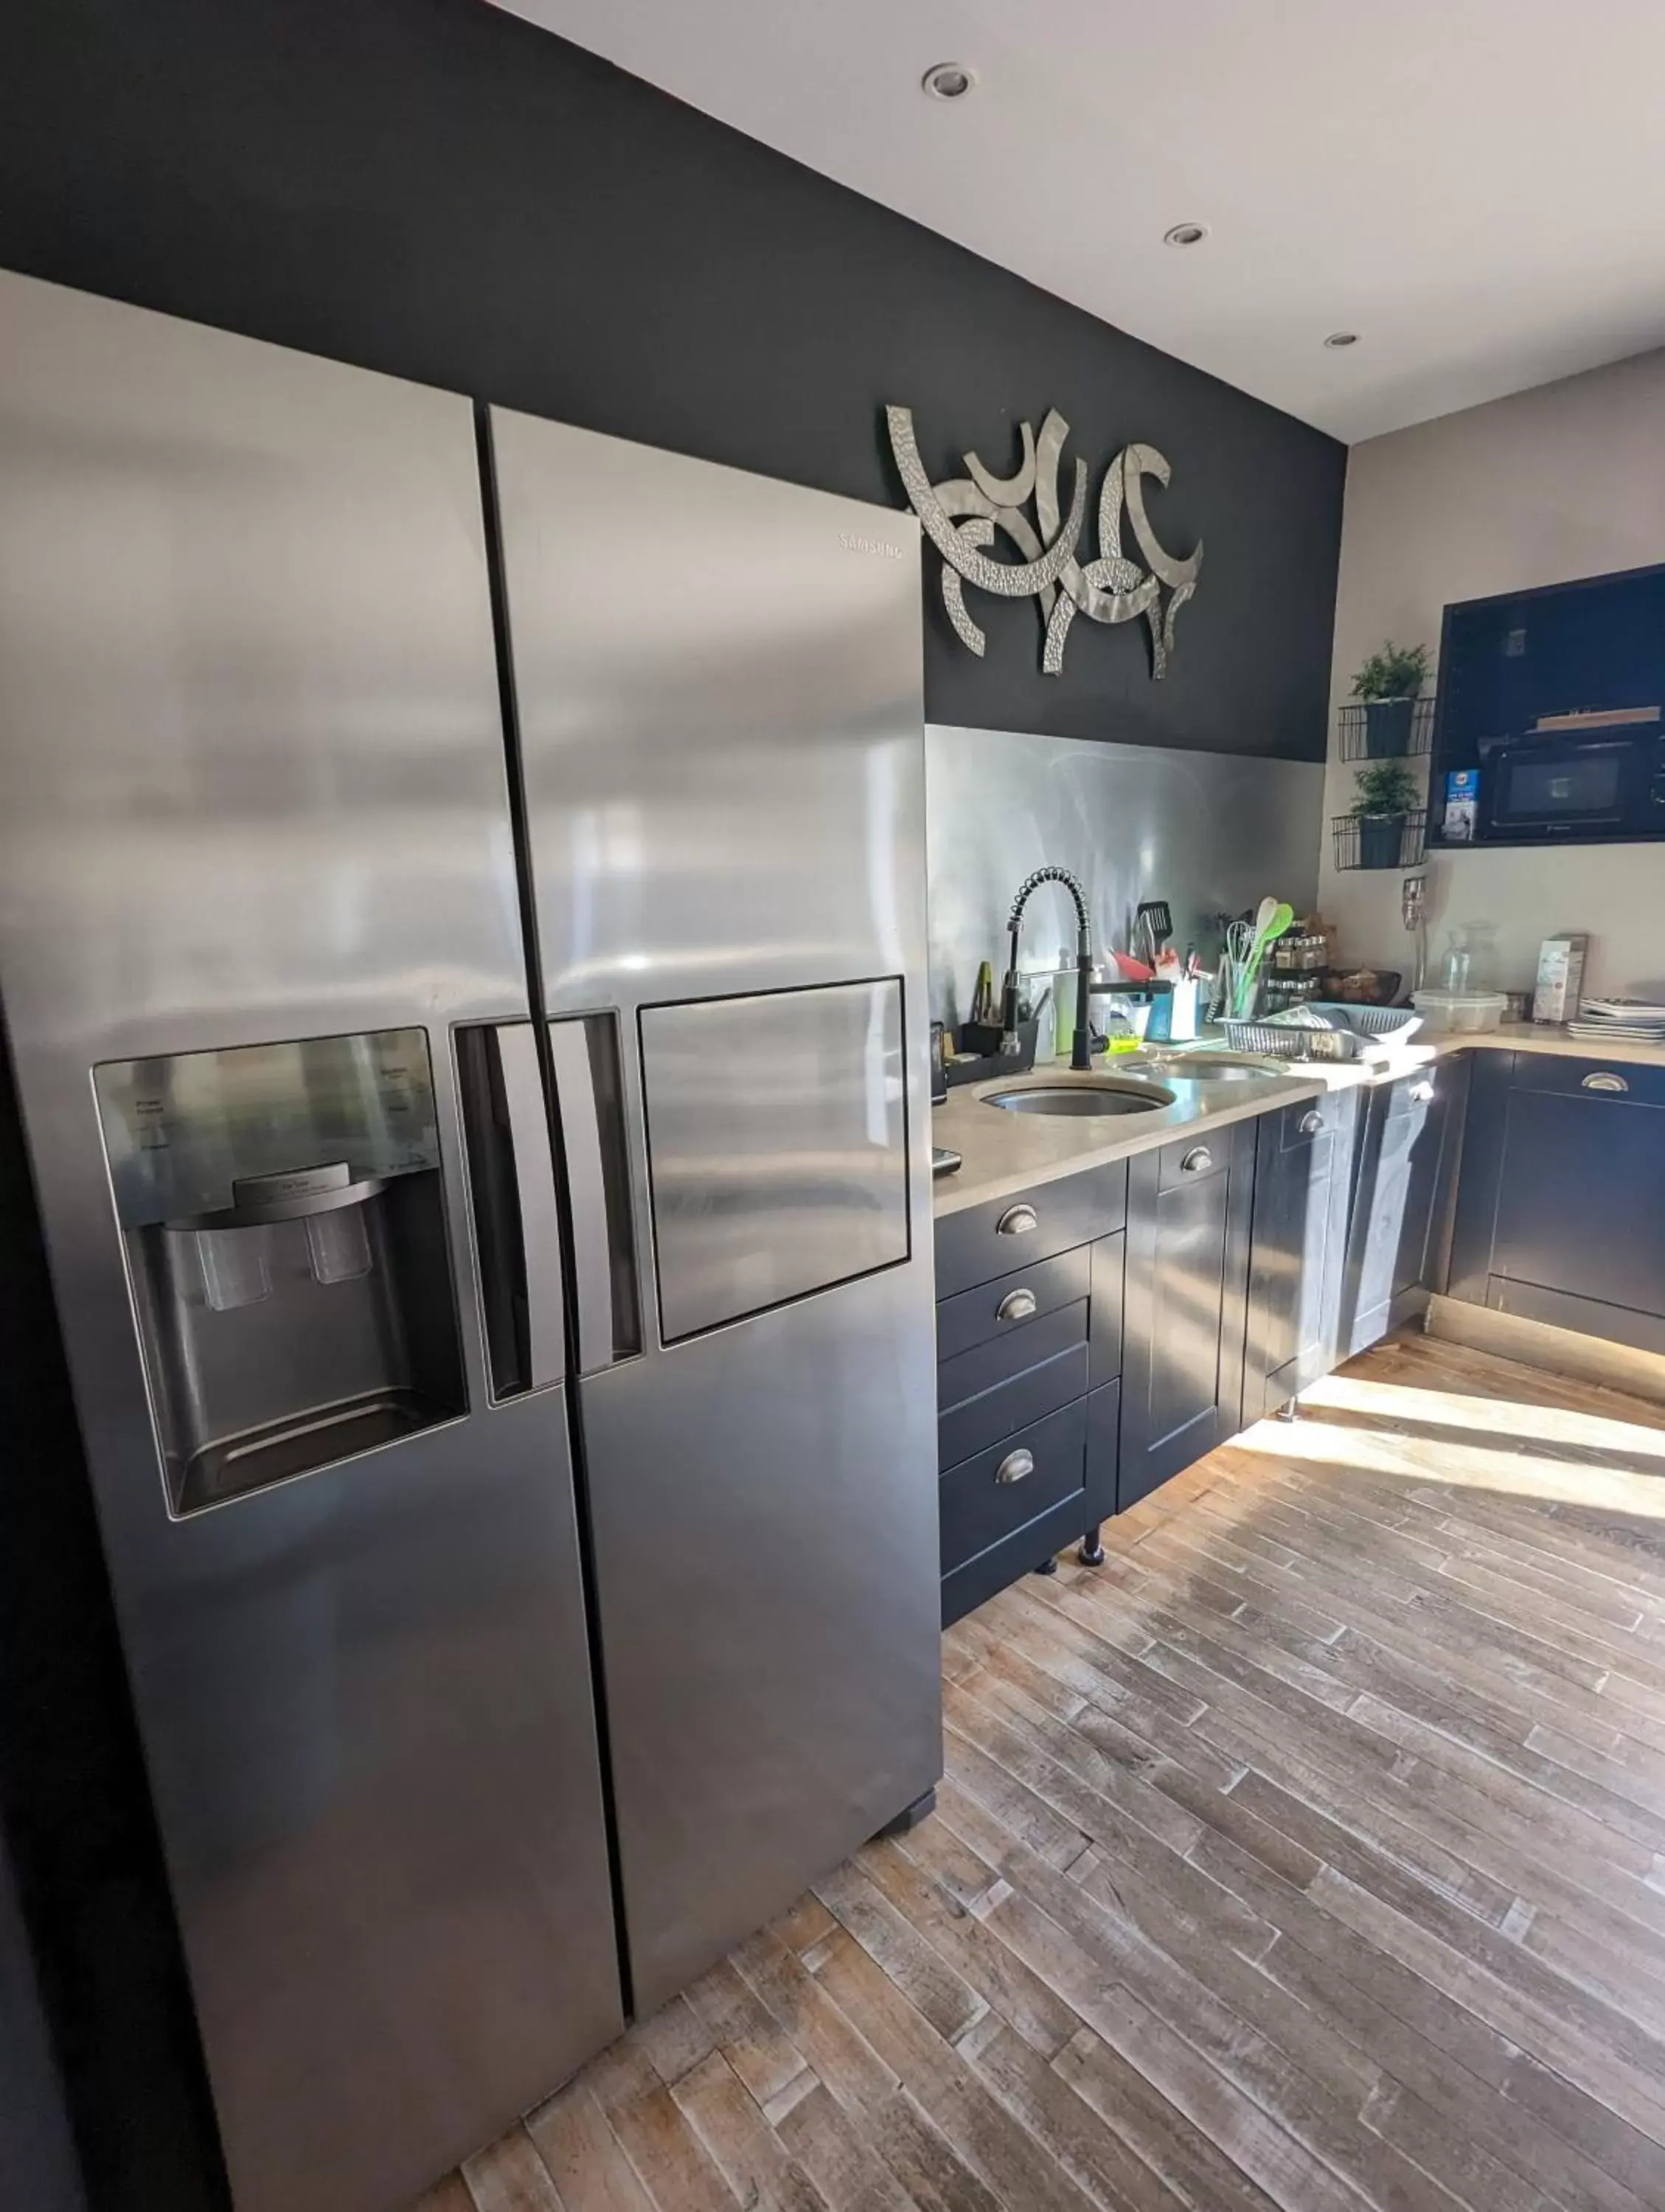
pixel 1380 841
pixel 1386 729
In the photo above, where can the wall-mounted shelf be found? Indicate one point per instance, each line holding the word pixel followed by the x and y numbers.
pixel 1386 729
pixel 1493 842
pixel 1370 842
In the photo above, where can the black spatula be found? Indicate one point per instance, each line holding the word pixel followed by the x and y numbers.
pixel 1156 918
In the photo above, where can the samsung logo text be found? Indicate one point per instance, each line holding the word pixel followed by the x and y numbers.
pixel 852 543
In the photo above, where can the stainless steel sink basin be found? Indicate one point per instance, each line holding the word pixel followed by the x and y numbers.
pixel 1211 1067
pixel 1129 1097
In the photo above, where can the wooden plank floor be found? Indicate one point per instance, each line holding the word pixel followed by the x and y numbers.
pixel 1309 1853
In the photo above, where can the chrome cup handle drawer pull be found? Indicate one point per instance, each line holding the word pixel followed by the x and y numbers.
pixel 1198 1161
pixel 1015 1466
pixel 1018 1221
pixel 1605 1081
pixel 1311 1125
pixel 1016 1305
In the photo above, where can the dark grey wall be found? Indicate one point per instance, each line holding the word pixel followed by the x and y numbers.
pixel 436 189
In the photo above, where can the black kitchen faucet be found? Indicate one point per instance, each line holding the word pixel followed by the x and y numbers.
pixel 1010 1045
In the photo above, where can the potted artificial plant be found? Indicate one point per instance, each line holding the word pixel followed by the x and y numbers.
pixel 1390 684
pixel 1387 794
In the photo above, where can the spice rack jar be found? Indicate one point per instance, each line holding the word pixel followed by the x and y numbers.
pixel 1299 955
pixel 1295 969
pixel 1284 988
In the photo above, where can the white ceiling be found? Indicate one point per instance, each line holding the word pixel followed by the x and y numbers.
pixel 1476 186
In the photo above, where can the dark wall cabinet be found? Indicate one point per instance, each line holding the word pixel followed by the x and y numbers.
pixel 1406 1156
pixel 1303 1169
pixel 1188 1214
pixel 1561 1213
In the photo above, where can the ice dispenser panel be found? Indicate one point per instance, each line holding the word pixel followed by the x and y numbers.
pixel 284 1225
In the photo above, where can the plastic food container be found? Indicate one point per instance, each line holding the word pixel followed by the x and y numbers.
pixel 1462 1010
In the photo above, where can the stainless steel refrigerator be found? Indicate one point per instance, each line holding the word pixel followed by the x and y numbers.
pixel 462 942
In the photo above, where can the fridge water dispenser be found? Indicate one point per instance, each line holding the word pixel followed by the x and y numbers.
pixel 283 1221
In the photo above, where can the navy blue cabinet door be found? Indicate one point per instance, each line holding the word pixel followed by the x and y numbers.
pixel 1563 1216
pixel 1297 1247
pixel 1406 1159
pixel 1188 1209
pixel 1485 1128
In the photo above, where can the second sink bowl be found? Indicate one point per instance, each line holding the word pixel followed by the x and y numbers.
pixel 1213 1067
pixel 1131 1096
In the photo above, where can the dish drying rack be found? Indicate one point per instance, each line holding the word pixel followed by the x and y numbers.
pixel 1324 1030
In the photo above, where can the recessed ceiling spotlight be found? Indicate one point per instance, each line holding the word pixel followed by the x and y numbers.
pixel 948 80
pixel 1185 234
pixel 1338 338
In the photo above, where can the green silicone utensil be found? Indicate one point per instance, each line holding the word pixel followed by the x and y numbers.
pixel 1271 927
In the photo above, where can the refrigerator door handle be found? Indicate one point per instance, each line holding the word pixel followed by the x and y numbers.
pixel 603 1263
pixel 534 1183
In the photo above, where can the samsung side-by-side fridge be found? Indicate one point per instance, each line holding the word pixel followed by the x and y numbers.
pixel 462 947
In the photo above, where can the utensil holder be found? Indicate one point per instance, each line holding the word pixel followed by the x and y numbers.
pixel 988 1065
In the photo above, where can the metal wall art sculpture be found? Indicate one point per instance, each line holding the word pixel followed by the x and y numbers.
pixel 962 515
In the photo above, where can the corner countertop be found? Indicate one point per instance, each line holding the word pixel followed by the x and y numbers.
pixel 1004 1153
pixel 1543 1036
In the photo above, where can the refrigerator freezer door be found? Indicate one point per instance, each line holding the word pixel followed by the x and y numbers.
pixel 718 679
pixel 255 796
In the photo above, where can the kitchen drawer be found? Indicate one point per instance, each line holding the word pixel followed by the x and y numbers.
pixel 982 1241
pixel 1015 1555
pixel 1000 1489
pixel 974 1373
pixel 1066 1516
pixel 1012 1303
pixel 992 1390
pixel 1542 1071
pixel 1105 1332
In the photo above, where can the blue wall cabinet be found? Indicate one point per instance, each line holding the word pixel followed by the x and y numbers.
pixel 1561 1214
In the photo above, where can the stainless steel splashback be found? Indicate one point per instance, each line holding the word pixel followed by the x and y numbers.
pixel 1205 831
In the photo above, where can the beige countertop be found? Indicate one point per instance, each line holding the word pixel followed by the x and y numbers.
pixel 1532 1037
pixel 1005 1152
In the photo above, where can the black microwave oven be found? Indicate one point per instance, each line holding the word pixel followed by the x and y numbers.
pixel 1589 780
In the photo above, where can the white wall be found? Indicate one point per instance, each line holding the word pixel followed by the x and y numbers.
pixel 1568 480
